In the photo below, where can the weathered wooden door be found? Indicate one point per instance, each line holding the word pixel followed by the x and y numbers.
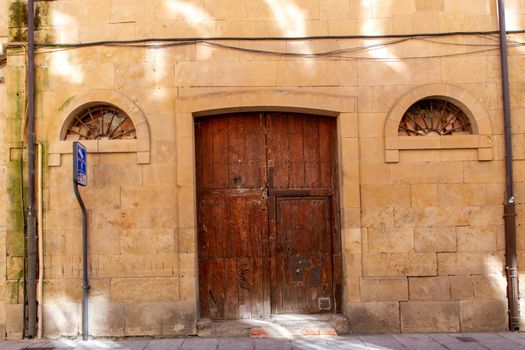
pixel 266 215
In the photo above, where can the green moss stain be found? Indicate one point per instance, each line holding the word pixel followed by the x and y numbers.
pixel 65 104
pixel 15 176
pixel 18 20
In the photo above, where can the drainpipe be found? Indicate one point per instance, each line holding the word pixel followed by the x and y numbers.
pixel 31 219
pixel 509 205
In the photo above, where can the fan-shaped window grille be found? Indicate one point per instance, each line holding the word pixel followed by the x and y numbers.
pixel 101 122
pixel 434 117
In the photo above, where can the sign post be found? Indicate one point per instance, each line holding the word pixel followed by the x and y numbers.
pixel 80 178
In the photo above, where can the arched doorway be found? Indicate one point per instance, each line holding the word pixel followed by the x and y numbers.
pixel 268 236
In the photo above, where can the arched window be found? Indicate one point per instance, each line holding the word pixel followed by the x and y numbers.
pixel 438 117
pixel 434 117
pixel 105 121
pixel 101 122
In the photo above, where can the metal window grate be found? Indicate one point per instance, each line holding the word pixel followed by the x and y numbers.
pixel 101 122
pixel 434 117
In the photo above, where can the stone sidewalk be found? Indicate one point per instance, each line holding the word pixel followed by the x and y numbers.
pixel 470 341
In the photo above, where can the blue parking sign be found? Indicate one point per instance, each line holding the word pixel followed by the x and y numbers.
pixel 79 164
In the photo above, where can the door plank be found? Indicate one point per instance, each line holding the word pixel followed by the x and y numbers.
pixel 266 243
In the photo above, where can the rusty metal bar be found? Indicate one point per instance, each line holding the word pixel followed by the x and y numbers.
pixel 509 205
pixel 31 219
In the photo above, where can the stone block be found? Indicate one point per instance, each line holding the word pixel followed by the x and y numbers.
pixel 106 320
pixel 379 73
pixel 423 72
pixel 400 264
pixel 375 173
pixel 137 290
pixel 477 239
pixel 461 287
pixel 316 73
pixel 224 9
pixel 162 319
pixel 490 286
pixel 373 317
pixel 148 241
pixel 390 240
pixel 159 265
pixel 427 172
pixel 412 264
pixel 429 288
pixel 375 265
pixel 424 195
pixel 484 315
pixel 451 195
pixel 463 69
pixel 432 216
pixel 384 289
pixel 352 240
pixel 188 288
pixel 377 217
pixel 371 149
pixel 430 316
pixel 13 325
pixel 62 319
pixel 2 321
pixel 484 172
pixel 334 9
pixel 486 215
pixel 435 239
pixel 385 195
pixel 223 73
pixel 461 264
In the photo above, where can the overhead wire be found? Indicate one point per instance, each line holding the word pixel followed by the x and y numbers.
pixel 339 53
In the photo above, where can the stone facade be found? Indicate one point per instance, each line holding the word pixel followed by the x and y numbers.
pixel 422 225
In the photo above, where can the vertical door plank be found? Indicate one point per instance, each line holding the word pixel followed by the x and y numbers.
pixel 255 152
pixel 311 151
pixel 326 152
pixel 231 301
pixel 244 266
pixel 278 149
pixel 220 152
pixel 236 176
pixel 296 152
pixel 204 148
pixel 216 291
pixel 204 275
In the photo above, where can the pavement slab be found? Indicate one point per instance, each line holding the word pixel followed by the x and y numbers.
pixel 273 344
pixel 419 342
pixel 381 342
pixel 448 341
pixel 165 344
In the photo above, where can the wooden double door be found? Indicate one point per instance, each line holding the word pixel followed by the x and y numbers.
pixel 268 240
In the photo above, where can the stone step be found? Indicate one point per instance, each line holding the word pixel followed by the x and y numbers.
pixel 278 326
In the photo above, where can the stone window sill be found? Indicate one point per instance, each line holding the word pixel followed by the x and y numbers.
pixel 139 146
pixel 395 144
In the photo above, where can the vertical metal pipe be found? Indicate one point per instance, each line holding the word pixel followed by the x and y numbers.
pixel 31 219
pixel 85 281
pixel 509 205
pixel 40 289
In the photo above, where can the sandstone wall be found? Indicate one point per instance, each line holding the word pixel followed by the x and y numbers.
pixel 422 234
pixel 3 162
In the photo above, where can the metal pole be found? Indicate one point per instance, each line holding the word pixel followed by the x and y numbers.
pixel 31 219
pixel 509 205
pixel 85 282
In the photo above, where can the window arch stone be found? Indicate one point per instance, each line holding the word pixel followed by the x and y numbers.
pixel 71 108
pixel 481 130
